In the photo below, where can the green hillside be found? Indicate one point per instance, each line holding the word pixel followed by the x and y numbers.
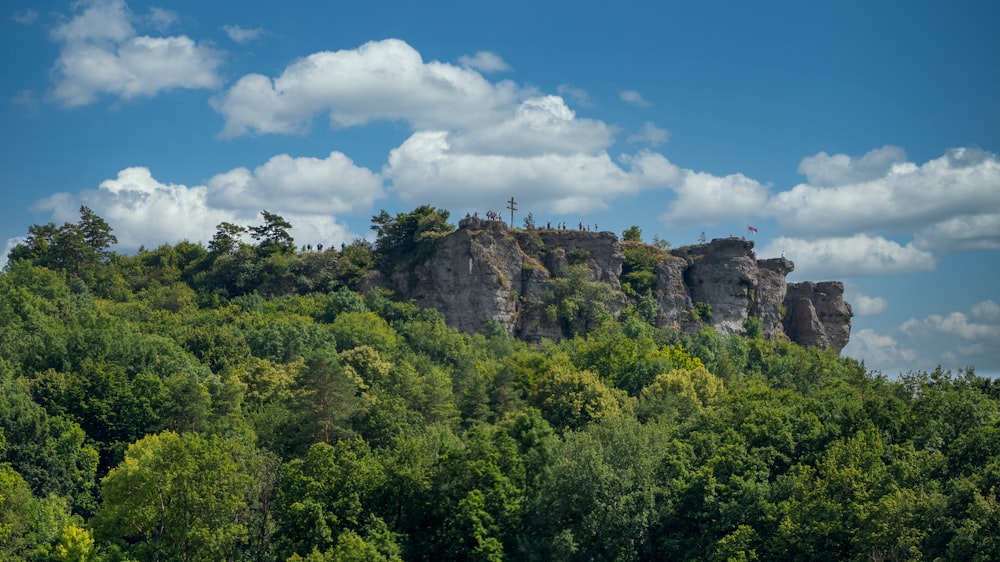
pixel 245 401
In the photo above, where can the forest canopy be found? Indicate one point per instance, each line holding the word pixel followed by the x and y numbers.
pixel 245 401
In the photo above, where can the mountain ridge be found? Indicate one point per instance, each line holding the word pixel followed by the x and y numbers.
pixel 485 275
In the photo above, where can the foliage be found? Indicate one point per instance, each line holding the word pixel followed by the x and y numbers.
pixel 576 302
pixel 242 402
pixel 180 497
pixel 272 237
pixel 75 248
pixel 639 270
pixel 405 238
pixel 702 312
pixel 632 234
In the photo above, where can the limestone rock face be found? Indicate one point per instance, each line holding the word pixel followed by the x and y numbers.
pixel 672 293
pixel 722 274
pixel 770 294
pixel 472 277
pixel 818 315
pixel 485 273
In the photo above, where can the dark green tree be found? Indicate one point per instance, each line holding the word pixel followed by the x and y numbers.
pixel 407 237
pixel 226 239
pixel 632 234
pixel 272 237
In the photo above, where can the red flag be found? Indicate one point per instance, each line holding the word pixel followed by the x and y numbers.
pixel 752 229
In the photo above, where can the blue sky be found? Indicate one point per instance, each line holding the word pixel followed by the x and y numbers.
pixel 860 138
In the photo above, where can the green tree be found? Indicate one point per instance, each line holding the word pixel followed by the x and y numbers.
pixel 75 248
pixel 576 302
pixel 570 399
pixel 407 237
pixel 597 498
pixel 272 237
pixel 327 492
pixel 31 528
pixel 226 239
pixel 180 497
pixel 96 233
pixel 632 234
pixel 50 452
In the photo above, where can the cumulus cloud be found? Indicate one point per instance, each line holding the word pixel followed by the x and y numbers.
pixel 849 256
pixel 102 53
pixel 379 80
pixel 651 134
pixel 879 192
pixel 881 352
pixel 305 191
pixel 864 305
pixel 426 168
pixel 982 325
pixel 705 199
pixel 961 233
pixel 332 185
pixel 986 311
pixel 633 97
pixel 539 125
pixel 823 170
pixel 242 34
pixel 143 210
pixel 543 153
pixel 485 61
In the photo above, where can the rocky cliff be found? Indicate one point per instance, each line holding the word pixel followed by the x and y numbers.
pixel 816 314
pixel 484 273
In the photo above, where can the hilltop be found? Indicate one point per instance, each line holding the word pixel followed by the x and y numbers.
pixel 485 273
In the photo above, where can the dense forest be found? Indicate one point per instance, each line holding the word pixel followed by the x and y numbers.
pixel 248 401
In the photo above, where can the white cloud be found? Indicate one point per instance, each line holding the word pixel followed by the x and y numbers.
pixel 849 256
pixel 958 324
pixel 484 61
pixel 332 185
pixel 145 211
pixel 965 232
pixel 881 352
pixel 142 210
pixel 633 97
pixel 539 125
pixel 8 246
pixel 864 305
pixel 242 34
pixel 651 134
pixel 704 199
pixel 426 168
pixel 26 17
pixel 379 80
pixel 882 194
pixel 96 21
pixel 824 170
pixel 954 340
pixel 986 311
pixel 102 53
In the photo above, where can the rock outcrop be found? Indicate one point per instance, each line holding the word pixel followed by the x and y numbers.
pixel 818 315
pixel 484 276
